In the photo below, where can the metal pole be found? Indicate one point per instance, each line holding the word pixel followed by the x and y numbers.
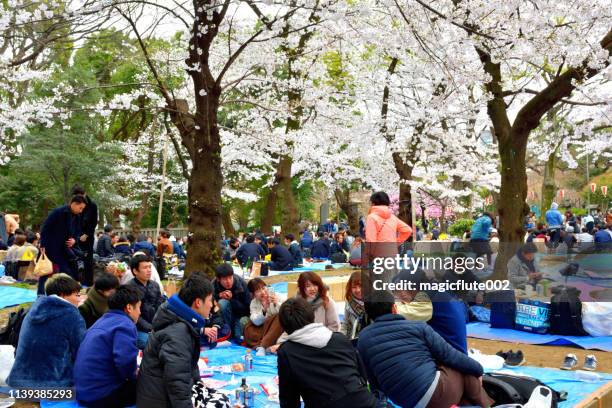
pixel 163 186
pixel 588 185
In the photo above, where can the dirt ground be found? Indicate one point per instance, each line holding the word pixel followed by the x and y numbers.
pixel 543 356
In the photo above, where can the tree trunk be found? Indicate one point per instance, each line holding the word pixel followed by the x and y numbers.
pixel 549 187
pixel 404 172
pixel 270 210
pixel 290 219
pixel 226 219
pixel 144 203
pixel 343 197
pixel 204 189
pixel 512 207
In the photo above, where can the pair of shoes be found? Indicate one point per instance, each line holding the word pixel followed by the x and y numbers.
pixel 571 361
pixel 511 358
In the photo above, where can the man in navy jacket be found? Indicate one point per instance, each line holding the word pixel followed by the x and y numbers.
pixel 412 365
pixel 105 367
pixel 249 252
pixel 280 259
pixel 320 248
pixel 60 237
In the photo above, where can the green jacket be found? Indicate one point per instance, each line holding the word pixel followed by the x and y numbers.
pixel 94 307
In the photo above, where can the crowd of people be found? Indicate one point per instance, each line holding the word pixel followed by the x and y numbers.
pixel 408 347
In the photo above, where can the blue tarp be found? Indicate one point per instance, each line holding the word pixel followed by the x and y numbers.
pixel 10 296
pixel 264 370
pixel 484 331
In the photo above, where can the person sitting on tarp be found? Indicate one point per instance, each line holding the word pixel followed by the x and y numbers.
pixel 317 364
pixel 443 311
pixel 169 375
pixel 96 303
pixel 145 246
pixel 123 246
pixel 294 249
pixel 281 259
pixel 49 338
pixel 320 248
pixel 261 240
pixel 150 295
pixel 412 365
pixel 234 298
pixel 106 364
pixel 603 238
pixel 306 242
pixel 340 247
pixel 263 329
pixel 249 252
pixel 522 267
pixel 216 330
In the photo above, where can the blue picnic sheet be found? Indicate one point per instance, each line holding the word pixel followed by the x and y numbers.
pixel 484 331
pixel 11 296
pixel 265 369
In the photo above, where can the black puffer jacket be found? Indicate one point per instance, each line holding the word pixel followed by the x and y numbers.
pixel 170 363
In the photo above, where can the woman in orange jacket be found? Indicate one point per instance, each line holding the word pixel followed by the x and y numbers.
pixel 384 231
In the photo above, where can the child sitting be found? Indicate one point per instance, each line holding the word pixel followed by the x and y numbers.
pixel 263 329
pixel 216 330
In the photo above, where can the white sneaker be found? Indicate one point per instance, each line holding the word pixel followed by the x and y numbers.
pixel 260 352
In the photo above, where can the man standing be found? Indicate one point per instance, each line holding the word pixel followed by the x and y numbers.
pixel 89 222
pixel 234 298
pixel 554 219
pixel 149 294
pixel 59 238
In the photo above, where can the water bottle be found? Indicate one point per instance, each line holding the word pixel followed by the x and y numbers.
pixel 2 268
pixel 248 361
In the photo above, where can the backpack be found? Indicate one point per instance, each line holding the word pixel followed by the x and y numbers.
pixel 10 333
pixel 503 308
pixel 566 312
pixel 338 257
pixel 512 389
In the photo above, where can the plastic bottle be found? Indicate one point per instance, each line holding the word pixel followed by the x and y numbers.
pixel 2 268
pixel 248 361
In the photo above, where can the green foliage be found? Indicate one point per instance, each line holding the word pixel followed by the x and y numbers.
pixel 459 227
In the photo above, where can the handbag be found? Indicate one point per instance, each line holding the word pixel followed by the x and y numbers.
pixel 44 266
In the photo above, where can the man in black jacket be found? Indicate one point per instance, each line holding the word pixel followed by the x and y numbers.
pixel 105 244
pixel 317 364
pixel 149 293
pixel 234 299
pixel 280 259
pixel 169 366
pixel 89 222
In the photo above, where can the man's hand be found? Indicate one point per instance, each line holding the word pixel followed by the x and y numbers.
pixel 535 276
pixel 274 348
pixel 83 238
pixel 70 243
pixel 226 294
pixel 211 334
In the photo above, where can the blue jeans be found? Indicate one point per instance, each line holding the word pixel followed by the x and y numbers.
pixel 234 322
pixel 141 341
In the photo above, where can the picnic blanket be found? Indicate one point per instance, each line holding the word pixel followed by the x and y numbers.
pixel 11 296
pixel 265 369
pixel 484 331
